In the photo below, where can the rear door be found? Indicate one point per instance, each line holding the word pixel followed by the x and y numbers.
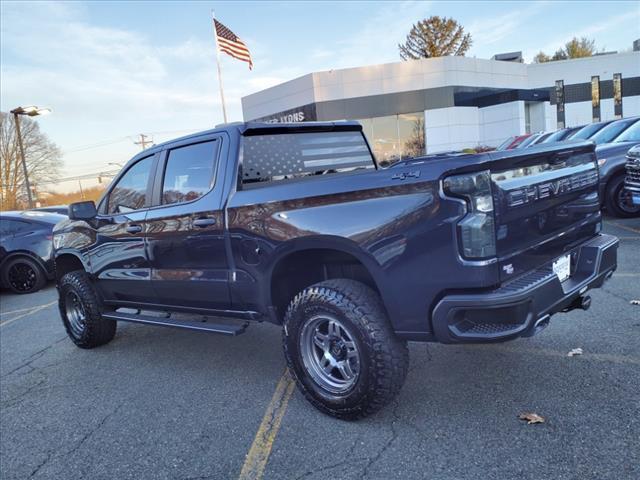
pixel 119 257
pixel 545 204
pixel 185 238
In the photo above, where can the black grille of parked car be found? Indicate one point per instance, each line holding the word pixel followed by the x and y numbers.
pixel 633 174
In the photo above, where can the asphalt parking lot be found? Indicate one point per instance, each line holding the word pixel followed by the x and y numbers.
pixel 159 403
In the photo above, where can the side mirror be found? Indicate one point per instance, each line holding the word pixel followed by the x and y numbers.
pixel 82 210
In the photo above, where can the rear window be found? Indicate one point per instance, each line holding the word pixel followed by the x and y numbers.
pixel 631 134
pixel 610 132
pixel 288 156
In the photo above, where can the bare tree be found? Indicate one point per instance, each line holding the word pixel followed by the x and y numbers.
pixel 435 37
pixel 43 158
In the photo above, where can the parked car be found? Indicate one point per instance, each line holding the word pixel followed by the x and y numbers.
pixel 512 142
pixel 609 133
pixel 60 209
pixel 588 131
pixel 542 136
pixel 530 140
pixel 26 262
pixel 302 230
pixel 632 181
pixel 612 158
pixel 561 135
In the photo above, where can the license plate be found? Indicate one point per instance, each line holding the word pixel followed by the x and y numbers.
pixel 562 267
pixel 635 198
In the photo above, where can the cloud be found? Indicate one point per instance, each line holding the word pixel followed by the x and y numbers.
pixel 489 30
pixel 603 25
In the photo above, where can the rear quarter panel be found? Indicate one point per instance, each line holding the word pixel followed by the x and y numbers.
pixel 400 229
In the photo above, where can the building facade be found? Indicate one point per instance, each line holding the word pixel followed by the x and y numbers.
pixel 452 103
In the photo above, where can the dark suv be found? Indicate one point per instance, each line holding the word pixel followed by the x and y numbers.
pixel 26 261
pixel 296 224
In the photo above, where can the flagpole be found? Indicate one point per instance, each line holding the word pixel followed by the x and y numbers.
pixel 215 36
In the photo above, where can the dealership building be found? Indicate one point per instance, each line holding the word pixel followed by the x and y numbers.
pixel 451 103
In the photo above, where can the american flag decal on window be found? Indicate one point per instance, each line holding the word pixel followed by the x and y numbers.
pixel 230 43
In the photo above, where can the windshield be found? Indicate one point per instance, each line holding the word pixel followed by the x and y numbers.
pixel 586 132
pixel 610 132
pixel 556 136
pixel 506 143
pixel 631 134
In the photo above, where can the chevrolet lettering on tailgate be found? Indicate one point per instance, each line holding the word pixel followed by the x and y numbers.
pixel 552 188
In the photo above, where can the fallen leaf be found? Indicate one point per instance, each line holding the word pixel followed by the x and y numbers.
pixel 635 302
pixel 574 352
pixel 531 418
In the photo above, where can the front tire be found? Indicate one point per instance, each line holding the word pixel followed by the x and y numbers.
pixel 80 309
pixel 23 275
pixel 618 199
pixel 339 344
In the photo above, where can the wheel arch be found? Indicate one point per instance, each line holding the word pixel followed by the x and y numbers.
pixel 66 262
pixel 23 253
pixel 304 262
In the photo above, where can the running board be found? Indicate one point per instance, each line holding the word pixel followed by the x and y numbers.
pixel 199 325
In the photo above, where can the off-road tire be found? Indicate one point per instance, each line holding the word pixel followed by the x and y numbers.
pixel 612 195
pixel 384 358
pixel 37 279
pixel 97 330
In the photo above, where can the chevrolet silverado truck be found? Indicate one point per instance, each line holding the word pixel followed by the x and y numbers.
pixel 297 225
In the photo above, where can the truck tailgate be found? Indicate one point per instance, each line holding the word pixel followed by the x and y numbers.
pixel 546 203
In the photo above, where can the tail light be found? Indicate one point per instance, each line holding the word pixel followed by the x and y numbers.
pixel 476 229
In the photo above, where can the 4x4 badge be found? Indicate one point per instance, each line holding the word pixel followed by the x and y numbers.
pixel 508 269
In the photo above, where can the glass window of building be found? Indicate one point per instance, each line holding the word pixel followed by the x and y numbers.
pixel 411 134
pixel 395 137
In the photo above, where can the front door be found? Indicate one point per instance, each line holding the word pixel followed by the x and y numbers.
pixel 185 233
pixel 119 257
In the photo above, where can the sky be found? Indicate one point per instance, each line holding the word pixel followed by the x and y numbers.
pixel 112 70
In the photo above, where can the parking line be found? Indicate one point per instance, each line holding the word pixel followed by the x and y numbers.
pixel 624 227
pixel 26 314
pixel 623 274
pixel 256 459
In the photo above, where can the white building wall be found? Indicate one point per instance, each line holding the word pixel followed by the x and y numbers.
pixel 538 116
pixel 498 122
pixel 452 128
pixel 630 106
pixel 578 113
pixel 580 70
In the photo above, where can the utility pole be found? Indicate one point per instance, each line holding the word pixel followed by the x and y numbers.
pixel 24 163
pixel 143 141
pixel 31 111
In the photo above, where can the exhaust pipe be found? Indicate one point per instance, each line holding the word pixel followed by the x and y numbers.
pixel 584 302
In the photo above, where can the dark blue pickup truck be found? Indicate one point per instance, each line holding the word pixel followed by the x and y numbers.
pixel 295 224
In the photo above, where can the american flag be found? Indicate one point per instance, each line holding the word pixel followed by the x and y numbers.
pixel 230 43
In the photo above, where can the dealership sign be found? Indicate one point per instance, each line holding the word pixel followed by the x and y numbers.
pixel 306 113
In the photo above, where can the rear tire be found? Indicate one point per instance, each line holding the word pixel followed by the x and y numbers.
pixel 23 275
pixel 617 202
pixel 341 349
pixel 80 309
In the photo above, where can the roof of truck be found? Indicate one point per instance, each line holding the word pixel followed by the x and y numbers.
pixel 260 128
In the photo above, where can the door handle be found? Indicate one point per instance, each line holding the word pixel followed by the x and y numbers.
pixel 204 222
pixel 133 229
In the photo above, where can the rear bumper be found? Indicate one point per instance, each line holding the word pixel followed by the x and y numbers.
pixel 524 305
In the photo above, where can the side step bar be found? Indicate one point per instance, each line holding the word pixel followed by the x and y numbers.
pixel 201 325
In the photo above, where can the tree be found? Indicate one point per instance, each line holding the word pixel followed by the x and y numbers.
pixel 541 57
pixel 574 48
pixel 43 158
pixel 578 48
pixel 414 146
pixel 435 37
